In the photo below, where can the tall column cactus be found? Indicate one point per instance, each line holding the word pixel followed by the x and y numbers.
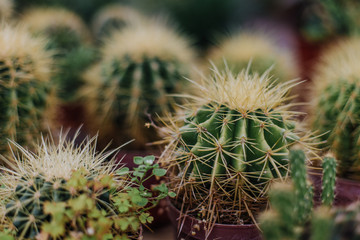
pixel 70 39
pixel 335 111
pixel 25 93
pixel 141 66
pixel 261 48
pixel 230 144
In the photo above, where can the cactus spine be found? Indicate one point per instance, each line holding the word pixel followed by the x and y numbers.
pixel 336 102
pixel 231 143
pixel 258 47
pixel 25 93
pixel 141 65
pixel 70 39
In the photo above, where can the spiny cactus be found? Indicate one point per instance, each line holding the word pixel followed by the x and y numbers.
pixel 113 17
pixel 25 93
pixel 141 65
pixel 230 144
pixel 70 39
pixel 6 9
pixel 62 190
pixel 335 111
pixel 291 211
pixel 261 48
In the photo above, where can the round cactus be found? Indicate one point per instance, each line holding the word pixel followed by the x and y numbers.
pixel 230 144
pixel 111 18
pixel 141 65
pixel 261 49
pixel 70 39
pixel 335 113
pixel 25 93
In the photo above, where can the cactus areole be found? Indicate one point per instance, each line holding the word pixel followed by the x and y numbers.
pixel 232 142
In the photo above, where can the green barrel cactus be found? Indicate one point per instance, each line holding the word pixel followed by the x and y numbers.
pixel 335 108
pixel 263 51
pixel 70 39
pixel 141 66
pixel 231 143
pixel 111 18
pixel 26 97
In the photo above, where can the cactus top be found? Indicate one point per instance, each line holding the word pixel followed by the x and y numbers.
pixel 151 39
pixel 259 47
pixel 17 43
pixel 47 19
pixel 6 8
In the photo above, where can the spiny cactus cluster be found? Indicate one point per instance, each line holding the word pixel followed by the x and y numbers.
pixel 141 66
pixel 70 40
pixel 335 111
pixel 230 144
pixel 292 204
pixel 62 190
pixel 261 49
pixel 113 17
pixel 25 93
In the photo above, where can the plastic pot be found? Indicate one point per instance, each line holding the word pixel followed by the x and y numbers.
pixel 189 228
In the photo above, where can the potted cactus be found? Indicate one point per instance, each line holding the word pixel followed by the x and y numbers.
pixel 259 47
pixel 334 113
pixel 113 17
pixel 292 203
pixel 225 149
pixel 70 39
pixel 141 65
pixel 26 95
pixel 63 191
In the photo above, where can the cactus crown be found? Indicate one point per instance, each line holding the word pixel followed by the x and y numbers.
pixel 230 144
pixel 336 96
pixel 259 47
pixel 24 84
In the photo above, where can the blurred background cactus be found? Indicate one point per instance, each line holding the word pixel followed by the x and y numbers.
pixel 111 18
pixel 141 66
pixel 259 47
pixel 229 144
pixel 70 39
pixel 25 93
pixel 335 108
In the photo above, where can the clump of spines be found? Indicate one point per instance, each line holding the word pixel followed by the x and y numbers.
pixel 259 48
pixel 141 66
pixel 70 39
pixel 335 108
pixel 230 144
pixel 25 71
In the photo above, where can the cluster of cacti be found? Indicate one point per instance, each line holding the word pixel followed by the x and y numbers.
pixel 25 93
pixel 141 66
pixel 259 48
pixel 335 110
pixel 230 144
pixel 324 19
pixel 70 40
pixel 292 204
pixel 62 190
pixel 113 17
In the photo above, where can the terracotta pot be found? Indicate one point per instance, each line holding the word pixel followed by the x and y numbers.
pixel 189 228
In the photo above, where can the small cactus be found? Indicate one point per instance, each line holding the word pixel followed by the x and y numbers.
pixel 112 18
pixel 231 143
pixel 70 39
pixel 25 93
pixel 335 112
pixel 328 178
pixel 141 66
pixel 259 48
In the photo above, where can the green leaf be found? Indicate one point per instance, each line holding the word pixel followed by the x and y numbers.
pixel 145 218
pixel 139 174
pixel 162 188
pixel 172 194
pixel 159 172
pixel 138 160
pixel 149 160
pixel 123 171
